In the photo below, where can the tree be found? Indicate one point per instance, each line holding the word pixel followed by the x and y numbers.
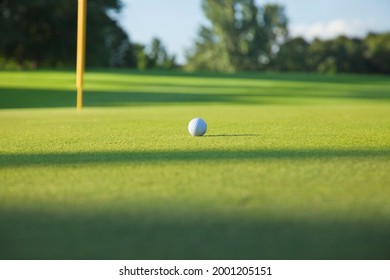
pixel 292 55
pixel 142 57
pixel 378 52
pixel 44 32
pixel 341 54
pixel 242 36
pixel 158 56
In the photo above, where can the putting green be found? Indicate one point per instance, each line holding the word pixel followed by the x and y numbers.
pixel 293 166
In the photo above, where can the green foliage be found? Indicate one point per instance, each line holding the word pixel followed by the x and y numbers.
pixel 142 58
pixel 158 56
pixel 337 55
pixel 378 52
pixel 44 32
pixel 242 36
pixel 28 30
pixel 340 55
pixel 39 33
pixel 292 56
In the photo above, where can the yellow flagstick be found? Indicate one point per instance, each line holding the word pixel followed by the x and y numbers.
pixel 81 30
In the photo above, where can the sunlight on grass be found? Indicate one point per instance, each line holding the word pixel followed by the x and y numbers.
pixel 57 89
pixel 292 167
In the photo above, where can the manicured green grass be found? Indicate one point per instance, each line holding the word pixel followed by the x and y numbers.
pixel 293 166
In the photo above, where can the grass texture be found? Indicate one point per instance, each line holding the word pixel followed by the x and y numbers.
pixel 293 166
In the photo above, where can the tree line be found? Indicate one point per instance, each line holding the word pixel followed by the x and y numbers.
pixel 342 54
pixel 246 37
pixel 241 36
pixel 42 33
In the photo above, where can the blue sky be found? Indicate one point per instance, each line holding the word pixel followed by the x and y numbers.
pixel 176 22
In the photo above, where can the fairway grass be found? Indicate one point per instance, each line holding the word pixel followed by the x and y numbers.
pixel 293 166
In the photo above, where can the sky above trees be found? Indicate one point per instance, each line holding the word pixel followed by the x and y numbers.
pixel 177 22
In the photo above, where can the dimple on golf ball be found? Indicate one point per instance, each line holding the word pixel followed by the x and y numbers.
pixel 197 127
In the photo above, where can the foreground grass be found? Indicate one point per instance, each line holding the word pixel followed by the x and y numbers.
pixel 293 167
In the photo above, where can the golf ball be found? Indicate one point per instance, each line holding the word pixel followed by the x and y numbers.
pixel 197 127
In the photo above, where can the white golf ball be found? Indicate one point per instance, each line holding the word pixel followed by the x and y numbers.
pixel 197 127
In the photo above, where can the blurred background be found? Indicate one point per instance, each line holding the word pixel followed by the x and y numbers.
pixel 327 36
